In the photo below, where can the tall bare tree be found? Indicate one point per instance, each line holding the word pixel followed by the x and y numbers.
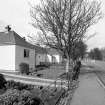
pixel 62 23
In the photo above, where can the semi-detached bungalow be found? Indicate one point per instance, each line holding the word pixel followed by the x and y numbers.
pixel 54 56
pixel 15 50
pixel 40 55
pixel 47 55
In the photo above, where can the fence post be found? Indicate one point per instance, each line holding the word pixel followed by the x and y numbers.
pixel 55 83
pixel 61 84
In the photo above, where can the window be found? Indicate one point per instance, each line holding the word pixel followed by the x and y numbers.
pixel 26 53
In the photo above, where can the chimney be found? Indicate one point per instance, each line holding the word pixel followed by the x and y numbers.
pixel 8 28
pixel 24 38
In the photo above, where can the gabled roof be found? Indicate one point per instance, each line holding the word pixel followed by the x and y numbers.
pixel 40 50
pixel 12 38
pixel 52 51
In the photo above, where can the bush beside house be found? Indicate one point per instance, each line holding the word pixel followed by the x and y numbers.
pixel 24 68
pixel 18 85
pixel 2 81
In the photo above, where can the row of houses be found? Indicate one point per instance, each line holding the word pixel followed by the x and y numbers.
pixel 15 50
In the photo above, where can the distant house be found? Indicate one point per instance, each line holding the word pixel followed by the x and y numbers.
pixel 15 50
pixel 47 55
pixel 40 55
pixel 53 56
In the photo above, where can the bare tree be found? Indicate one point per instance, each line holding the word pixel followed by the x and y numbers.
pixel 62 23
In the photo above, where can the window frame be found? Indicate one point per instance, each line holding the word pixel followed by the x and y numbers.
pixel 26 53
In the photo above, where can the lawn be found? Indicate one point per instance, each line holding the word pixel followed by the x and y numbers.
pixel 53 72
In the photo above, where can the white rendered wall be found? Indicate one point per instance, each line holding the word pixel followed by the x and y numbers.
pixel 49 58
pixel 58 58
pixel 7 57
pixel 20 57
pixel 40 58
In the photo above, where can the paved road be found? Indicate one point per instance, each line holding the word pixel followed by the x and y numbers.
pixel 90 90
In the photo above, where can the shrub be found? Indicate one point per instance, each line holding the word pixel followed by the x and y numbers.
pixel 42 66
pixel 2 81
pixel 16 97
pixel 9 97
pixel 17 85
pixel 24 68
pixel 39 75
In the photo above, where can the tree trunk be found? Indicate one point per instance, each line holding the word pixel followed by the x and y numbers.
pixel 67 65
pixel 69 72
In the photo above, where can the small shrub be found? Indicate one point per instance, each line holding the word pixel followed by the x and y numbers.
pixel 39 75
pixel 9 97
pixel 2 81
pixel 24 68
pixel 43 64
pixel 17 85
pixel 16 97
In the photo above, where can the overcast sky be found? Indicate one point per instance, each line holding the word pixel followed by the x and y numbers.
pixel 16 14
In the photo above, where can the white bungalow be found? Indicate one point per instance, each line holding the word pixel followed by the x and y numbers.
pixel 47 55
pixel 15 50
pixel 53 56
